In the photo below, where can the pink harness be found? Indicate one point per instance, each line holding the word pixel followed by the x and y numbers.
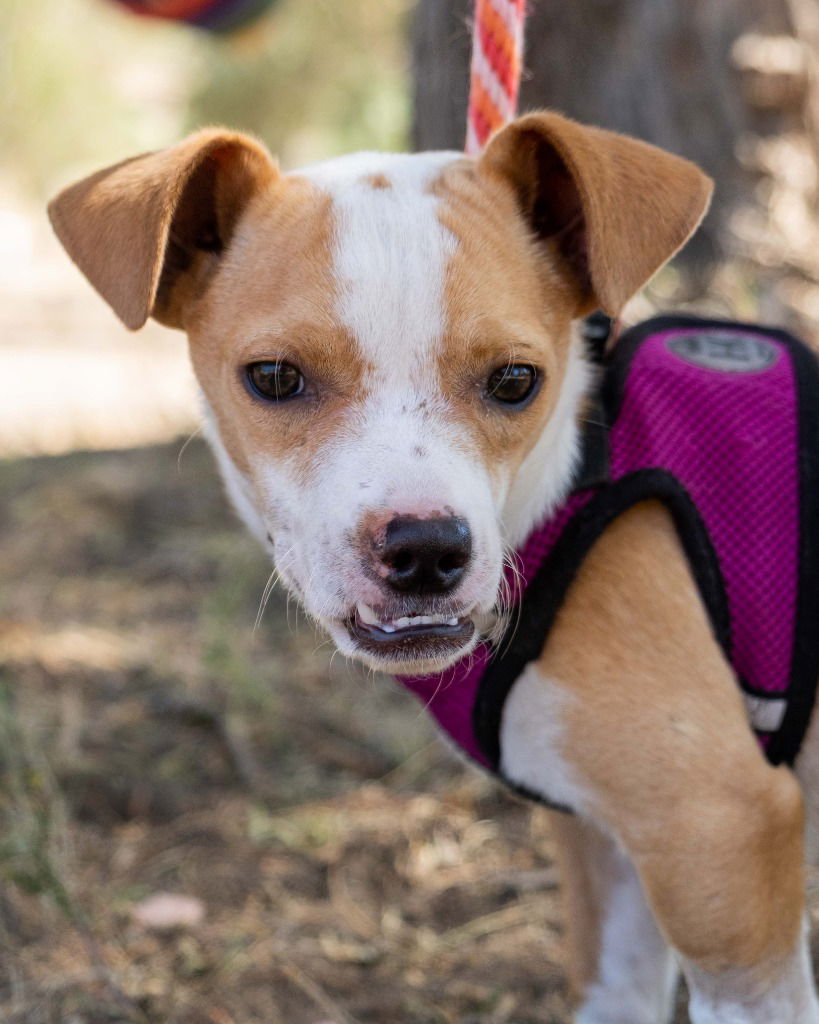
pixel 720 421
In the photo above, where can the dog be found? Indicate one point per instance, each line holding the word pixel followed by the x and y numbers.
pixel 396 391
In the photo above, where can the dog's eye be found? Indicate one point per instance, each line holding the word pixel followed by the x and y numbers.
pixel 512 384
pixel 275 380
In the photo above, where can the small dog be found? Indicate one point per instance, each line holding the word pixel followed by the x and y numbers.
pixel 395 387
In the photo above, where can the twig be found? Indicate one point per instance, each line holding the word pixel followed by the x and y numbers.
pixel 509 917
pixel 314 991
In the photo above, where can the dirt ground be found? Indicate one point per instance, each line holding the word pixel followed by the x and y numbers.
pixel 329 861
pixel 346 866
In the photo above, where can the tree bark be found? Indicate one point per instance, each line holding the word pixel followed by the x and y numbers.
pixel 661 70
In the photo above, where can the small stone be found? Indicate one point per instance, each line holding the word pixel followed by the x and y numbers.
pixel 167 911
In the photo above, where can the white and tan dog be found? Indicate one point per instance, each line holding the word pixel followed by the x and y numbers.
pixel 388 353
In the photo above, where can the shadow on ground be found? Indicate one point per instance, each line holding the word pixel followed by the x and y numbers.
pixel 349 868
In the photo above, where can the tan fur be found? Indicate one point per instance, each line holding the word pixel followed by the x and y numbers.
pixel 525 315
pixel 377 181
pixel 117 224
pixel 638 204
pixel 579 849
pixel 284 310
pixel 660 735
pixel 133 230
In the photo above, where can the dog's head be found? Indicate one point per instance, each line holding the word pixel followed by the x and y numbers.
pixel 385 345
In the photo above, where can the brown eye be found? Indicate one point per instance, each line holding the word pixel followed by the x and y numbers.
pixel 275 380
pixel 512 384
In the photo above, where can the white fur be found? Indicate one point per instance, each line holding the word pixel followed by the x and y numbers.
pixel 533 754
pixel 401 448
pixel 637 975
pixel 740 997
pixel 545 475
pixel 531 741
pixel 240 490
pixel 390 260
pixel 807 771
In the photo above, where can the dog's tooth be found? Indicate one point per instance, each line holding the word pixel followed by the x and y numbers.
pixel 366 614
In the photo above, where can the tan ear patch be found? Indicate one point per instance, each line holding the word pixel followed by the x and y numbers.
pixel 504 302
pixel 135 228
pixel 613 208
pixel 282 309
pixel 377 181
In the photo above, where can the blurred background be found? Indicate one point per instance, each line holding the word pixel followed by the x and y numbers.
pixel 205 818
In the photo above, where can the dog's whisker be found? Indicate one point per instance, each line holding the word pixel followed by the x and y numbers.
pixel 591 421
pixel 273 580
pixel 509 609
pixel 268 589
pixel 425 707
pixel 184 448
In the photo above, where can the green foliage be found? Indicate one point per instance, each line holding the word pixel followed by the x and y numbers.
pixel 328 77
pixel 85 83
pixel 79 85
pixel 31 814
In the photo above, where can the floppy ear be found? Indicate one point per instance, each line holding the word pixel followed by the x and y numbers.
pixel 148 232
pixel 615 208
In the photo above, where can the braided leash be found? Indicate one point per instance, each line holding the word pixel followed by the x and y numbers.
pixel 497 61
pixel 497 56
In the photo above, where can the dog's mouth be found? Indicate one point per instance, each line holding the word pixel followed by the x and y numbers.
pixel 420 637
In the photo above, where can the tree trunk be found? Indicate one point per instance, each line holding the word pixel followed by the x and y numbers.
pixel 662 70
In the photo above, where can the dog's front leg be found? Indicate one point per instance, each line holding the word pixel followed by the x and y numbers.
pixel 620 966
pixel 633 717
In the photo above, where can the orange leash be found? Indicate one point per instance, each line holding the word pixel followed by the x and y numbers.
pixel 497 58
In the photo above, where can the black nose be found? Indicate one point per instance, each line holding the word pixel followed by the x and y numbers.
pixel 426 556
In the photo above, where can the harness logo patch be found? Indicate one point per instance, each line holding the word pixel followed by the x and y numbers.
pixel 725 351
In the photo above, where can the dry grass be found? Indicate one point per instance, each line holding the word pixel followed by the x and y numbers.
pixel 349 868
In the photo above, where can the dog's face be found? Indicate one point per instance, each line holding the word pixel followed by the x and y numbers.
pixel 375 386
pixel 385 346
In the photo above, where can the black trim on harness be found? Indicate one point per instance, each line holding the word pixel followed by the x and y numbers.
pixel 804 677
pixel 547 590
pixel 593 470
pixel 594 464
pixel 805 663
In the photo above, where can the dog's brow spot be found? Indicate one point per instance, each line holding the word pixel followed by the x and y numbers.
pixel 420 451
pixel 422 405
pixel 377 181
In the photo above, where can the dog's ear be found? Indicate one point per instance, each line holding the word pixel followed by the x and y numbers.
pixel 615 208
pixel 148 232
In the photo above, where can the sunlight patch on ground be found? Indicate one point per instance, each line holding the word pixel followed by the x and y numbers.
pixel 71 377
